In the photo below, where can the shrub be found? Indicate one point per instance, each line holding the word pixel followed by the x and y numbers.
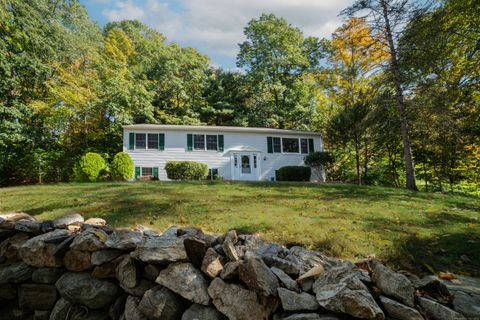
pixel 294 173
pixel 186 170
pixel 316 159
pixel 89 167
pixel 122 167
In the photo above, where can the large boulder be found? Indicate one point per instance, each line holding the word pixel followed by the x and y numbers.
pixel 339 290
pixel 89 240
pixel 15 273
pixel 127 272
pixel 199 312
pixel 436 311
pixel 40 251
pixel 69 219
pixel 293 301
pixel 238 303
pixel 392 284
pixel 162 249
pixel 187 281
pixel 258 277
pixel 84 289
pixel 399 311
pixel 159 303
pixel 124 239
pixel 37 296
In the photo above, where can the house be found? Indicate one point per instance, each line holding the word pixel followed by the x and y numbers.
pixel 234 153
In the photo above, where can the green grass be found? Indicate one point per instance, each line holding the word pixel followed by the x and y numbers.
pixel 415 231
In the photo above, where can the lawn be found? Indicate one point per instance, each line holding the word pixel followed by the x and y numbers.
pixel 416 231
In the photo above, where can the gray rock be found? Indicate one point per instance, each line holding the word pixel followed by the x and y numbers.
pixel 127 272
pixel 40 252
pixel 307 285
pixel 238 303
pixel 293 301
pixel 199 312
pixel 159 303
pixel 89 240
pixel 196 250
pixel 306 259
pixel 95 221
pixel 29 226
pixel 230 250
pixel 362 275
pixel 63 309
pixel 47 275
pixel 230 270
pixel 140 289
pixel 466 304
pixel 258 277
pixel 161 249
pixel 84 289
pixel 102 256
pixel 8 291
pixel 436 311
pixel 15 216
pixel 124 239
pixel 392 284
pixel 106 270
pixel 75 260
pixel 339 290
pixel 282 264
pixel 314 316
pixel 212 263
pixel 399 311
pixel 187 281
pixel 116 310
pixel 37 296
pixel 285 279
pixel 68 219
pixel 151 271
pixel 15 273
pixel 132 310
pixel 10 247
pixel 41 314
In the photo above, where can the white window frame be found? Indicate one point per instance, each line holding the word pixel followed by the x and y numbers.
pixel 146 140
pixel 205 140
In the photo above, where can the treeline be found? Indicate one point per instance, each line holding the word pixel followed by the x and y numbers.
pixel 67 86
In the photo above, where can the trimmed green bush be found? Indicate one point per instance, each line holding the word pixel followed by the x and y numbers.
pixel 122 167
pixel 319 158
pixel 293 173
pixel 186 170
pixel 89 167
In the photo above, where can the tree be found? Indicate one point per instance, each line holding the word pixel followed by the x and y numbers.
pixel 277 57
pixel 388 18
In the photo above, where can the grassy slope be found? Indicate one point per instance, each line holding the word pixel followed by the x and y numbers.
pixel 410 230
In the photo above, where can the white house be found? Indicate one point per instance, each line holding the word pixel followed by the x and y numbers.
pixel 235 153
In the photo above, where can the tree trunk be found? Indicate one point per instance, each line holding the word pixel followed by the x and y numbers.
pixel 357 161
pixel 407 149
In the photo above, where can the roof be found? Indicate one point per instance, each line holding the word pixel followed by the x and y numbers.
pixel 217 128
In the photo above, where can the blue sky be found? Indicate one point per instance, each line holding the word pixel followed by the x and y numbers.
pixel 215 27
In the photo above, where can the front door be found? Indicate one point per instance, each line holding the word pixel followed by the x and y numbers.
pixel 246 166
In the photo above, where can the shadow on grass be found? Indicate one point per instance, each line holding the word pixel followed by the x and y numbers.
pixel 456 252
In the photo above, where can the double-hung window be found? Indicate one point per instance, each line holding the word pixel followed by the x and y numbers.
pixel 140 141
pixel 209 142
pixel 212 142
pixel 290 145
pixel 152 141
pixel 199 142
pixel 304 145
pixel 146 141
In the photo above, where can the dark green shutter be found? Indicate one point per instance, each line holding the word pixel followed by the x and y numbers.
pixel 137 172
pixel 155 172
pixel 311 148
pixel 214 174
pixel 189 142
pixel 270 144
pixel 131 141
pixel 161 142
pixel 220 142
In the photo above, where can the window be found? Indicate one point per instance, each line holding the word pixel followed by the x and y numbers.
pixel 153 141
pixel 277 145
pixel 255 161
pixel 147 171
pixel 212 142
pixel 304 145
pixel 198 142
pixel 290 145
pixel 140 141
pixel 235 160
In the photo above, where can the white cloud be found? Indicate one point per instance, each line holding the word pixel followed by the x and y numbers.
pixel 216 26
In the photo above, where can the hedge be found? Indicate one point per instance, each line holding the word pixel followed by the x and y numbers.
pixel 122 166
pixel 293 173
pixel 186 170
pixel 89 167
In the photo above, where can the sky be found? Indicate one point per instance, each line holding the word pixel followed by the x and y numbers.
pixel 215 27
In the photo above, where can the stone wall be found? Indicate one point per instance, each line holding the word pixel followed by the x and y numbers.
pixel 69 268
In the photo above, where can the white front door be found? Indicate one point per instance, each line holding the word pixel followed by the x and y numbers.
pixel 246 166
